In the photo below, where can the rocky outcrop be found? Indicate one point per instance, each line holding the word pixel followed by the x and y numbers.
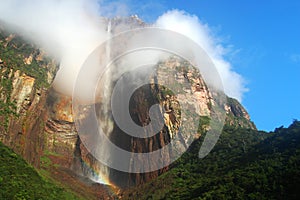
pixel 60 132
pixel 199 100
pixel 237 115
pixel 37 122
pixel 25 115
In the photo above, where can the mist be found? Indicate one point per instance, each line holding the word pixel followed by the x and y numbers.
pixel 199 32
pixel 70 30
pixel 67 30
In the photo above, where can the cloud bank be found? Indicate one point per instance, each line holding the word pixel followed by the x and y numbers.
pixel 192 27
pixel 70 30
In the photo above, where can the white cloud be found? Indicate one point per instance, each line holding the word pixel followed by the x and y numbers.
pixel 192 27
pixel 68 30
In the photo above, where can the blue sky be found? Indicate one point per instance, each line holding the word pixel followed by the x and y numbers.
pixel 265 36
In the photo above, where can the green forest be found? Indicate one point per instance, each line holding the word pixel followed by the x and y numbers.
pixel 20 181
pixel 245 164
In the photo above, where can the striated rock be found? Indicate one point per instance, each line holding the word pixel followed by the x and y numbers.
pixel 24 133
pixel 195 94
pixel 39 122
pixel 35 121
pixel 23 90
pixel 60 132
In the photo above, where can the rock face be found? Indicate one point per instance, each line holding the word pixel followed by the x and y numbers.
pixel 237 115
pixel 23 95
pixel 37 122
pixel 199 100
pixel 61 135
pixel 25 119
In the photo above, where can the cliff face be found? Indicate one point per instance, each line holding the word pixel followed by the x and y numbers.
pixel 200 101
pixel 237 115
pixel 61 135
pixel 24 119
pixel 37 122
pixel 24 78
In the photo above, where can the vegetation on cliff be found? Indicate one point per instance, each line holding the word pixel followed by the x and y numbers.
pixel 18 180
pixel 16 54
pixel 245 164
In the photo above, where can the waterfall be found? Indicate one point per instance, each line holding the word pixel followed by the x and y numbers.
pixel 108 40
pixel 100 172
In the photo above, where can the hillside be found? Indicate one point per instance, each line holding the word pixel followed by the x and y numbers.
pixel 245 164
pixel 19 180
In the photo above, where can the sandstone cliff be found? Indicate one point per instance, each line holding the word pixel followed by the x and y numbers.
pixel 37 122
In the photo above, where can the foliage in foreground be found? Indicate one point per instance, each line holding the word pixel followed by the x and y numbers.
pixel 20 181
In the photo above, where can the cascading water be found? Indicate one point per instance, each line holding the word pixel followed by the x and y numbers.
pixel 136 145
pixel 99 172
